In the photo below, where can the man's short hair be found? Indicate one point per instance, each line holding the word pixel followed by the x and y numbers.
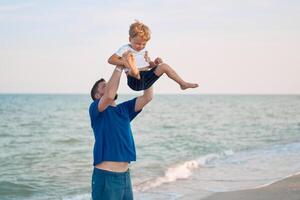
pixel 94 88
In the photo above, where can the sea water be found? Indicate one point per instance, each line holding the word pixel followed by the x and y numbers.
pixel 188 146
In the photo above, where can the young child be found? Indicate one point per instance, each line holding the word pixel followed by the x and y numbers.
pixel 141 71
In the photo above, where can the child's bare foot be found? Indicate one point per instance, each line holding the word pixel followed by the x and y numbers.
pixel 137 76
pixel 133 70
pixel 187 85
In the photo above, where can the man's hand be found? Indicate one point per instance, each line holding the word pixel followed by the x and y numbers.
pixel 158 61
pixel 126 55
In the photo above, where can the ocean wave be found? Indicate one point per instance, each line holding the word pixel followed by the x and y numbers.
pixel 15 189
pixel 68 141
pixel 181 171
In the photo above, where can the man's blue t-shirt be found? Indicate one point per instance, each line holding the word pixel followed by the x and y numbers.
pixel 112 131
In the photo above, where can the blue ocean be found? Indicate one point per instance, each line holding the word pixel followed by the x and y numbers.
pixel 188 146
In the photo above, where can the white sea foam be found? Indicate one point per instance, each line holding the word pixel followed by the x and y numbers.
pixel 229 152
pixel 203 160
pixel 177 172
pixel 78 197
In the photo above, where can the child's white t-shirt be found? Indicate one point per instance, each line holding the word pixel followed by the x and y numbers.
pixel 138 55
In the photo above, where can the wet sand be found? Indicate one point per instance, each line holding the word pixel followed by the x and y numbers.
pixel 286 189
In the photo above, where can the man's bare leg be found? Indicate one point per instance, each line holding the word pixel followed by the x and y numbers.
pixel 164 68
pixel 130 63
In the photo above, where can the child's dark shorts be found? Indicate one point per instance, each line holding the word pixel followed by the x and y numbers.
pixel 146 81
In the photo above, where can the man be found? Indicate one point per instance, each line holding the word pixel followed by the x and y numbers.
pixel 114 145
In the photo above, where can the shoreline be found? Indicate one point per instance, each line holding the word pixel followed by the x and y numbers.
pixel 287 189
pixel 273 182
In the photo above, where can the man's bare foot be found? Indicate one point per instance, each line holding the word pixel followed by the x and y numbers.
pixel 133 70
pixel 187 85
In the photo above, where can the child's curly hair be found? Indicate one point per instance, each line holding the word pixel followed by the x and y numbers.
pixel 139 29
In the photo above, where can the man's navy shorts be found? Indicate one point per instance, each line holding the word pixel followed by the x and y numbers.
pixel 111 185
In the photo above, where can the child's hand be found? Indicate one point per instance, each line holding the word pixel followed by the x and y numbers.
pixel 158 61
pixel 152 64
pixel 147 58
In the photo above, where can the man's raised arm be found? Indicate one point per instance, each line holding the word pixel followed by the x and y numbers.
pixel 111 89
pixel 144 99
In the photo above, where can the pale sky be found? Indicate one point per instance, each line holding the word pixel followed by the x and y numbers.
pixel 227 46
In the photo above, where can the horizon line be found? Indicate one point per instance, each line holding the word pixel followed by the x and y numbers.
pixel 78 93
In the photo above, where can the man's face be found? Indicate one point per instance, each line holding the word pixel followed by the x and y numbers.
pixel 137 43
pixel 100 89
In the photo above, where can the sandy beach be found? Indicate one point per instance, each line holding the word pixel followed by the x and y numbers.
pixel 286 189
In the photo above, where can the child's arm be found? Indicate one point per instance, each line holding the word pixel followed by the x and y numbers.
pixel 148 60
pixel 116 60
pixel 156 62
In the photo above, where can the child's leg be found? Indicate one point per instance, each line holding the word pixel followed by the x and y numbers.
pixel 131 65
pixel 164 68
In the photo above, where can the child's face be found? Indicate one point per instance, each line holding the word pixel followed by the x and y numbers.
pixel 137 43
